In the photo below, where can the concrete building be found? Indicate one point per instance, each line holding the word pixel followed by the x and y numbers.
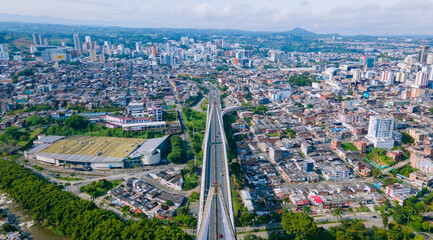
pixel 4 54
pixel 51 54
pixel 418 134
pixel 306 148
pixel 421 79
pixel 380 131
pixel 423 52
pixel 77 43
pixel 98 152
pixel 420 179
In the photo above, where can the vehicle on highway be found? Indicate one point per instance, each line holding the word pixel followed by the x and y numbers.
pixel 220 235
pixel 221 174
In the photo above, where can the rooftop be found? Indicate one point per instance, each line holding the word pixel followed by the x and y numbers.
pixel 94 146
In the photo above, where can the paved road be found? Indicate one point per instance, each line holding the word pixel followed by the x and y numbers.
pixel 370 219
pixel 215 172
pixel 396 166
pixel 197 106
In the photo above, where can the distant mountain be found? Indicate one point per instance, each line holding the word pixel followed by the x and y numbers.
pixel 44 20
pixel 300 31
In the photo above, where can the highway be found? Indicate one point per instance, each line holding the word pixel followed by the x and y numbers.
pixel 216 220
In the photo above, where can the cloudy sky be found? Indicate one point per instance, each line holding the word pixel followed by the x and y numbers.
pixel 378 17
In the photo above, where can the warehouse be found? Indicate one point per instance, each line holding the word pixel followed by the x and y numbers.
pixel 98 152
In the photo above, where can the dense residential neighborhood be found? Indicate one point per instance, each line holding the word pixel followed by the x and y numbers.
pixel 341 131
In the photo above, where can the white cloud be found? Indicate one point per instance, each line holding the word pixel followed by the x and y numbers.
pixel 323 16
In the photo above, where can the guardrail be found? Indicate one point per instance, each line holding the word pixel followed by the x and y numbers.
pixel 227 174
pixel 203 169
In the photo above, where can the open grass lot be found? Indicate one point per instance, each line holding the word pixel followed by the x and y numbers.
pixel 69 179
pixel 100 188
pixel 33 133
pixel 349 146
pixel 378 157
pixel 363 209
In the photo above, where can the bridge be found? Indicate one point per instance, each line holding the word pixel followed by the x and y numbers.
pixel 215 220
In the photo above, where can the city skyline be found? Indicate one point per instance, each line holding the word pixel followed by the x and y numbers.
pixel 330 16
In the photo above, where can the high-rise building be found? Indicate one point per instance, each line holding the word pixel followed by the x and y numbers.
pixel 4 55
pixel 387 77
pixel 401 77
pixel 380 130
pixel 93 56
pixel 47 42
pixel 77 42
pixel 357 74
pixel 421 79
pixel 41 39
pixel 423 52
pixel 381 126
pixel 36 40
pixel 138 46
pixel 367 60
pixel 153 50
pixel 88 38
pixel 429 59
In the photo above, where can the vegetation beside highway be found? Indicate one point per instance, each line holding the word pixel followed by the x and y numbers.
pixel 195 123
pixel 69 215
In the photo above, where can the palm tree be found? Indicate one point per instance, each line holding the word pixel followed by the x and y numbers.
pixel 350 210
pixel 384 219
pixel 306 210
pixel 338 212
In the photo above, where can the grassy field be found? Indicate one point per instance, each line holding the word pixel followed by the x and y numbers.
pixel 100 188
pixel 349 147
pixel 237 206
pixel 363 209
pixel 69 179
pixel 33 134
pixel 379 208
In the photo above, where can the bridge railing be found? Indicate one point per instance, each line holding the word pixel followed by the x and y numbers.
pixel 227 174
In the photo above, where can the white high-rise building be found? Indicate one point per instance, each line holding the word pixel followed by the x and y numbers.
pixel 380 130
pixel 401 77
pixel 4 55
pixel 77 42
pixel 88 38
pixel 421 79
pixel 387 77
pixel 356 74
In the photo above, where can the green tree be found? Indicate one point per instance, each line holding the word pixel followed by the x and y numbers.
pixel 261 109
pixel 385 220
pixel 353 230
pixel 70 215
pixel 33 121
pixel 8 228
pixel 376 173
pixel 306 210
pixel 406 138
pixel 338 212
pixel 194 196
pixel 252 237
pixel 299 224
pixel 77 122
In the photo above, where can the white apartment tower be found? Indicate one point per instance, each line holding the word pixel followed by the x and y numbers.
pixel 77 42
pixel 380 131
pixel 421 79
